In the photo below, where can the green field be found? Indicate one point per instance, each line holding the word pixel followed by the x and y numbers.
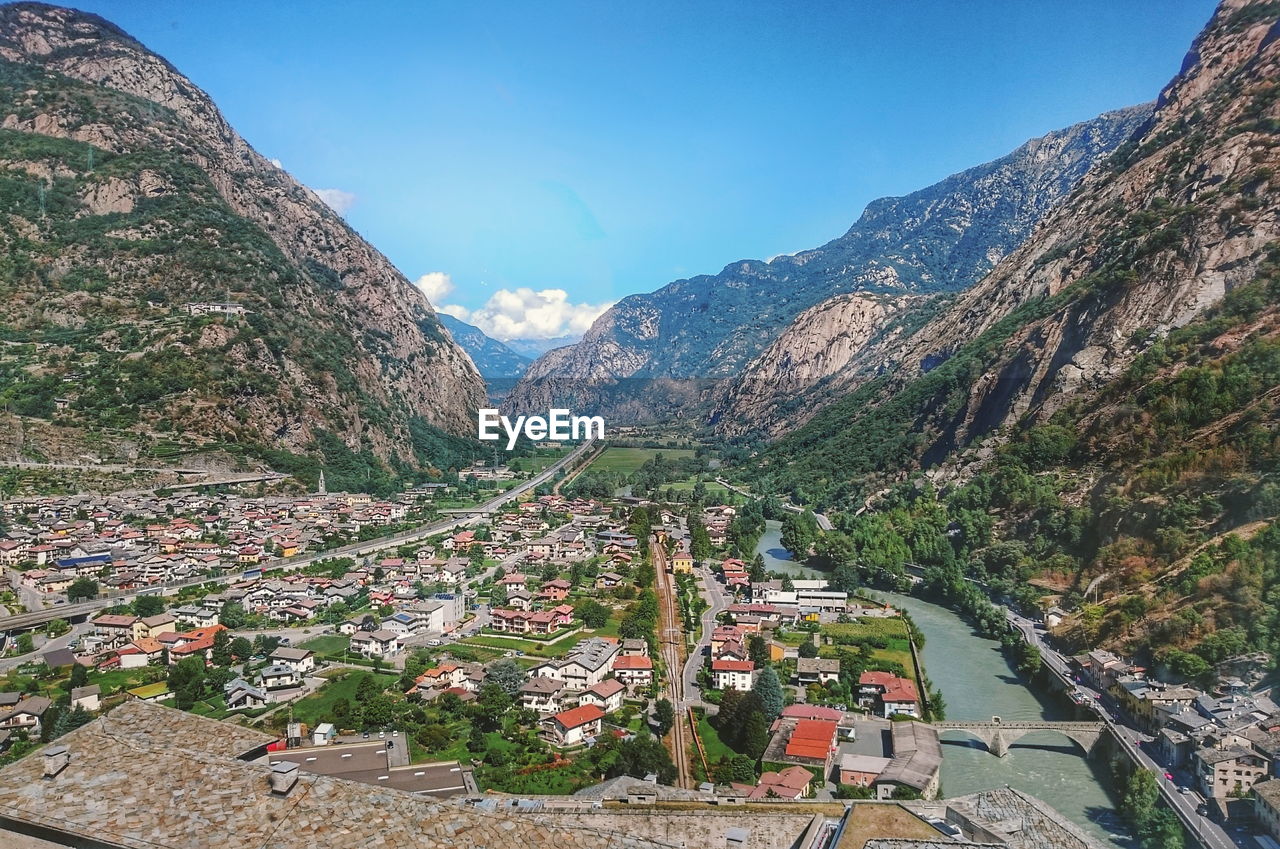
pixel 713 488
pixel 318 707
pixel 894 630
pixel 714 748
pixel 328 644
pixel 627 460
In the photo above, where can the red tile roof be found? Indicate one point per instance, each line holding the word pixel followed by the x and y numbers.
pixel 732 666
pixel 812 738
pixel 578 716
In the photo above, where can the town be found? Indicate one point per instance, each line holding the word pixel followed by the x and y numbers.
pixel 539 645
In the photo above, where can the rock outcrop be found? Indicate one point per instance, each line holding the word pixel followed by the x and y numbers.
pixel 940 239
pixel 151 201
pixel 1179 215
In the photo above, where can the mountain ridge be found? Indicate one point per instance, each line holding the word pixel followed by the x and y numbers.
pixel 333 341
pixel 938 239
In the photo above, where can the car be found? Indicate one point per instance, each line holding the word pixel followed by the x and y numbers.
pixel 1184 790
pixel 1168 776
pixel 284 641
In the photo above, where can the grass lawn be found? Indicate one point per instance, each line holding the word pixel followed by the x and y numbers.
pixel 318 707
pixel 712 745
pixel 215 708
pixel 627 460
pixel 713 488
pixel 328 644
pixel 116 680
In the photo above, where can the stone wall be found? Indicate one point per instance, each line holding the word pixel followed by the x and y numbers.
pixel 703 828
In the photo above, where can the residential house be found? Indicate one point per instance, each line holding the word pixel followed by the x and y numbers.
pixel 736 674
pixel 27 715
pixel 88 697
pixel 607 695
pixel 381 643
pixel 542 694
pixel 890 694
pixel 634 670
pixel 572 727
pixel 1224 772
pixel 817 670
pixel 279 676
pixel 300 661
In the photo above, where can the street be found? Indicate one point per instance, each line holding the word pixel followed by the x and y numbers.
pixel 1207 832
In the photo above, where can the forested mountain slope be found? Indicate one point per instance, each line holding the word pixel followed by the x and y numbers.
pixel 1154 237
pixel 1103 412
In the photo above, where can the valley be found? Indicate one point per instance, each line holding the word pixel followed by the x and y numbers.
pixel 962 528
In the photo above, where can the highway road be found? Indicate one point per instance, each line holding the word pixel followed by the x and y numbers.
pixel 1207 833
pixel 23 621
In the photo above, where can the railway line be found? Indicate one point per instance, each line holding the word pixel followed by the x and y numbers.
pixel 672 649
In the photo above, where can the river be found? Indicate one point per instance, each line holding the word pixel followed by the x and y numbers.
pixel 777 558
pixel 978 684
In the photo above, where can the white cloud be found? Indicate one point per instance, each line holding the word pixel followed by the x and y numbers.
pixel 435 285
pixel 527 314
pixel 338 200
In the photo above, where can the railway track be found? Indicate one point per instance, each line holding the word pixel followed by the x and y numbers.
pixel 672 649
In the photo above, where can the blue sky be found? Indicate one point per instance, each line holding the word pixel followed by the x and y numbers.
pixel 604 148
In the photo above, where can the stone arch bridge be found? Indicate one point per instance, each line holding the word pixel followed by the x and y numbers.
pixel 998 735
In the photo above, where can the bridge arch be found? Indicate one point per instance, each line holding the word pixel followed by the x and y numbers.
pixel 998 736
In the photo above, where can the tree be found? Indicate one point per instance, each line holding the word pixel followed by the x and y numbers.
pixel 241 648
pixel 148 605
pixel 592 613
pixel 755 735
pixel 757 573
pixel 498 598
pixel 758 650
pixel 56 628
pixel 507 674
pixel 70 720
pixel 79 676
pixel 769 689
pixel 82 589
pixel 699 539
pixel 186 681
pixel 221 652
pixel 664 715
pixel 808 649
pixel 26 643
pixel 799 533
pixel 233 615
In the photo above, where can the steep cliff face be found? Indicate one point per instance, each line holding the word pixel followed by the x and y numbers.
pixel 1175 218
pixel 131 198
pixel 939 239
pixel 787 380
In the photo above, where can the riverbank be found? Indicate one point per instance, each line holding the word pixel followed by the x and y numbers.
pixel 977 683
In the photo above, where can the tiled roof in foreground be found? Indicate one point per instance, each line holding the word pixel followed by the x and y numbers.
pixel 145 776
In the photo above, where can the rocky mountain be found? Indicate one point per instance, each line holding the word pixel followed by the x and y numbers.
pixel 492 358
pixel 534 348
pixel 940 239
pixel 1178 216
pixel 161 276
